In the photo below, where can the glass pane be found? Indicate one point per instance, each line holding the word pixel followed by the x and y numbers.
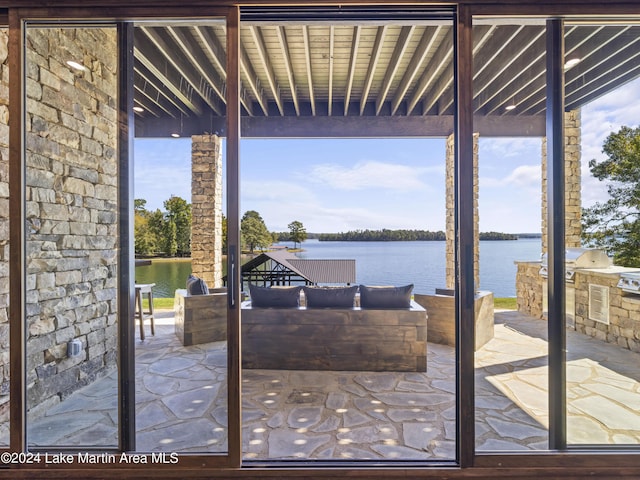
pixel 4 239
pixel 351 379
pixel 71 135
pixel 181 363
pixel 511 329
pixel 603 330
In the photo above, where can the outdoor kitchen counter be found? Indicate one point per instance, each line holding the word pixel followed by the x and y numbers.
pixel 605 308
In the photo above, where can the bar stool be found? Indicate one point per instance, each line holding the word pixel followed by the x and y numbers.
pixel 140 314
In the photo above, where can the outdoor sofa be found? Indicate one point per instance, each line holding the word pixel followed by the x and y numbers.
pixel 322 329
pixel 314 328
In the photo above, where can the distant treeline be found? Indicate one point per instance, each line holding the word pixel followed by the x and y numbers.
pixel 498 236
pixel 383 235
pixel 386 235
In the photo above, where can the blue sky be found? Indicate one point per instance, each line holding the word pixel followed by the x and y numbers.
pixel 339 185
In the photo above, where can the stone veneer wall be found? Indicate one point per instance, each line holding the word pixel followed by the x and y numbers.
pixel 624 311
pixel 72 210
pixel 572 159
pixel 4 227
pixel 529 289
pixel 450 213
pixel 206 208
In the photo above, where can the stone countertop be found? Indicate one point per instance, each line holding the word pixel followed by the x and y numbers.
pixel 610 270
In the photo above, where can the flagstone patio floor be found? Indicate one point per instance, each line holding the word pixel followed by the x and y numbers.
pixel 181 401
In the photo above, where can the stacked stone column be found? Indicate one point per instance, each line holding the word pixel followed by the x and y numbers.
pixel 572 165
pixel 450 213
pixel 206 208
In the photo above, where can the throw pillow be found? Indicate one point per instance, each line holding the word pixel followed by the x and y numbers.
pixel 266 297
pixel 196 286
pixel 385 297
pixel 339 297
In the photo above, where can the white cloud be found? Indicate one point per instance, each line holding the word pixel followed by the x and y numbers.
pixel 281 202
pixel 371 174
pixel 509 148
pixel 523 176
pixel 318 218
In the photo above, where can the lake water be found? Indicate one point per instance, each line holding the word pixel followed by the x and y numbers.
pixel 383 263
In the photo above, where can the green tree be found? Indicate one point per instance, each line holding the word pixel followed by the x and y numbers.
pixel 139 205
pixel 297 232
pixel 251 214
pixel 179 214
pixel 614 225
pixel 171 238
pixel 145 242
pixel 224 234
pixel 254 231
pixel 145 238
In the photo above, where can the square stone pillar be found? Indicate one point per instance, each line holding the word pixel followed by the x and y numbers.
pixel 450 213
pixel 206 208
pixel 573 182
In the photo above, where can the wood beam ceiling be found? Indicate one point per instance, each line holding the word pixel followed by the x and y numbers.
pixel 386 70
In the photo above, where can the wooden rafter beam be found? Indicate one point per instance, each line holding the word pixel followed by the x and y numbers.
pixel 443 54
pixel 482 57
pixel 331 48
pixel 355 43
pixel 284 49
pixel 373 65
pixel 427 41
pixel 535 89
pixel 607 51
pixel 263 55
pixel 530 46
pixel 444 83
pixel 218 56
pixel 150 106
pixel 252 80
pixel 197 59
pixel 148 91
pixel 307 59
pixel 161 38
pixel 394 64
pixel 614 80
pixel 171 82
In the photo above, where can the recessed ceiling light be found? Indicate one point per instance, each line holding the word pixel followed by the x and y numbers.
pixel 572 62
pixel 138 109
pixel 175 135
pixel 510 107
pixel 76 65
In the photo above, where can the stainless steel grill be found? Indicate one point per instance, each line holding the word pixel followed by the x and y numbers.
pixel 630 282
pixel 578 258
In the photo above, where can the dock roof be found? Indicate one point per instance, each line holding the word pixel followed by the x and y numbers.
pixel 310 271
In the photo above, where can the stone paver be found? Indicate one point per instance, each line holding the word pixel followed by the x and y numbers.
pixel 181 402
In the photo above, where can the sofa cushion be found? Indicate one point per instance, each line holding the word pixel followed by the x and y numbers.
pixel 385 297
pixel 265 297
pixel 196 286
pixel 339 297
